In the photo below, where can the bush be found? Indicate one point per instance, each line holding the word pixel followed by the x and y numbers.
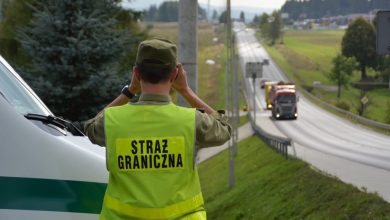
pixel 370 85
pixel 308 88
pixel 343 105
pixel 388 113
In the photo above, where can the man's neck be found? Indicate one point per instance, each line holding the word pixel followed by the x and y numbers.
pixel 159 88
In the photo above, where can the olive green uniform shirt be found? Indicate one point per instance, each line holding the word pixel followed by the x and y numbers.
pixel 211 129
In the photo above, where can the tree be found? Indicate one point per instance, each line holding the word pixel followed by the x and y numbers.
pixel 168 11
pixel 215 15
pixel 15 14
pixel 151 14
pixel 202 13
pixel 321 8
pixel 74 46
pixel 264 25
pixel 359 42
pixel 341 72
pixel 256 20
pixel 223 17
pixel 127 20
pixel 275 28
pixel 242 16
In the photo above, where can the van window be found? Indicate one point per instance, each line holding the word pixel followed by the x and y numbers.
pixel 17 95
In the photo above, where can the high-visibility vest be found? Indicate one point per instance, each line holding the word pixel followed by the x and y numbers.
pixel 150 158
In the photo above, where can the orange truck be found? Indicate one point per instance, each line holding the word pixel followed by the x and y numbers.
pixel 283 100
pixel 267 93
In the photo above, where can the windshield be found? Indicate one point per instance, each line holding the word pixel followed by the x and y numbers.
pixel 17 94
pixel 286 99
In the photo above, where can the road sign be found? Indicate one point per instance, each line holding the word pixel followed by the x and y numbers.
pixel 383 32
pixel 364 100
pixel 254 69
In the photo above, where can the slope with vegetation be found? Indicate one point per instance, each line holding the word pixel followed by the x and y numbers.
pixel 270 187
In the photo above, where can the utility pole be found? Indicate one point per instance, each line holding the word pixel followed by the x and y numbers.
pixel 1 10
pixel 235 97
pixel 383 34
pixel 230 92
pixel 188 43
pixel 208 11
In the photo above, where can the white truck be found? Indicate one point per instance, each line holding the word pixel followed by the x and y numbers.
pixel 48 169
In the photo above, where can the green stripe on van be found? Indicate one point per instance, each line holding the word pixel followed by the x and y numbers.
pixel 51 195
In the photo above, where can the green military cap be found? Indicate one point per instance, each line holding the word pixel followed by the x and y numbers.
pixel 159 53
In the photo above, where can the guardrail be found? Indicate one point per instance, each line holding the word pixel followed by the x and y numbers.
pixel 355 117
pixel 280 144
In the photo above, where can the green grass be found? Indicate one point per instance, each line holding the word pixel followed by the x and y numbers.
pixel 243 120
pixel 270 187
pixel 378 109
pixel 375 111
pixel 306 56
pixel 309 54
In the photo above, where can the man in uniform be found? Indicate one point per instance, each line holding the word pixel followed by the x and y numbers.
pixel 151 144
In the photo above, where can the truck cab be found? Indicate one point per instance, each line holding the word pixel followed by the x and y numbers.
pixel 284 101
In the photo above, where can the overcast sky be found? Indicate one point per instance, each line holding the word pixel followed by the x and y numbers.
pixel 254 4
pixel 274 4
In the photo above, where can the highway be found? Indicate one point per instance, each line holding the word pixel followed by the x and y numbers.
pixel 331 144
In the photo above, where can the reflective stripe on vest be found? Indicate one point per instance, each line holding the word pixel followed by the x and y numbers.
pixel 150 155
pixel 167 212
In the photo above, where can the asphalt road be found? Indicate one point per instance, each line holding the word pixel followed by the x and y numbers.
pixel 349 151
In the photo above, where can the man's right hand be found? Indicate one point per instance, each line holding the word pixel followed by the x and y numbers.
pixel 181 84
pixel 182 87
pixel 135 85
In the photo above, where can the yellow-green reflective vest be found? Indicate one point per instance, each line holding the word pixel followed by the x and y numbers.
pixel 150 158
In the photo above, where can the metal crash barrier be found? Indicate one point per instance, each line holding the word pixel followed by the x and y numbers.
pixel 279 144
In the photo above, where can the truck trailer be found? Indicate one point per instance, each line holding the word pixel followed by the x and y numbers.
pixel 267 90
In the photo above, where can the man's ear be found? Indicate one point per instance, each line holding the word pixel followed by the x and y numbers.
pixel 136 73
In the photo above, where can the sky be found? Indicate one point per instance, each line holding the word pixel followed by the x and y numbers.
pixel 274 4
pixel 269 4
pixel 250 7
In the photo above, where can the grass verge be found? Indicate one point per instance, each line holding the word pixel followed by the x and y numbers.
pixel 270 187
pixel 306 56
pixel 243 120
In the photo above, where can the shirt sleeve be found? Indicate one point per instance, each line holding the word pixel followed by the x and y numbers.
pixel 94 129
pixel 212 129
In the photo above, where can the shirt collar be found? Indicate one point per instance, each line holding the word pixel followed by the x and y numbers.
pixel 150 97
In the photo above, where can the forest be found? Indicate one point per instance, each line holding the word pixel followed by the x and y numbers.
pixel 167 12
pixel 297 9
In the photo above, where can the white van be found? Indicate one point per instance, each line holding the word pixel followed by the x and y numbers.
pixel 48 169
